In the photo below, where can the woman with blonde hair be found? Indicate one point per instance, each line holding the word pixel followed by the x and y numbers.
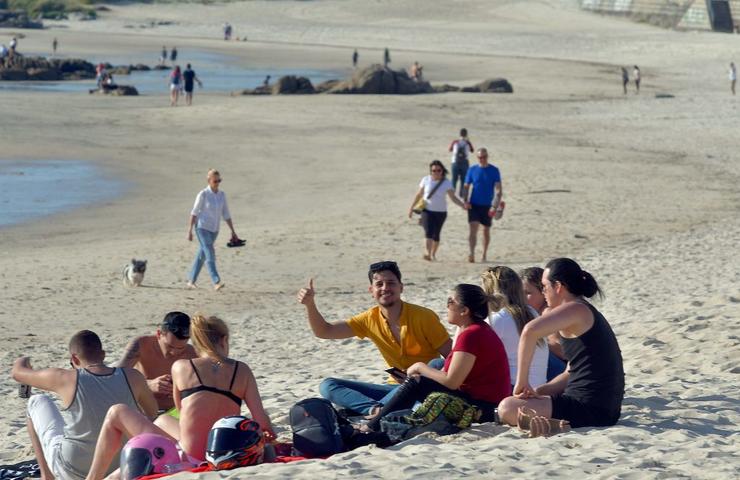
pixel 205 389
pixel 509 314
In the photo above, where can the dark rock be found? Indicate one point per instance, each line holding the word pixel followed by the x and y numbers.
pixel 291 84
pixel 160 67
pixel 377 79
pixel 117 91
pixel 120 70
pixel 494 85
pixel 40 68
pixel 17 19
pixel 43 74
pixel 664 95
pixel 140 67
pixel 13 74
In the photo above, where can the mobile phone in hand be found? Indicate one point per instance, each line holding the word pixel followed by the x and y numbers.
pixel 397 373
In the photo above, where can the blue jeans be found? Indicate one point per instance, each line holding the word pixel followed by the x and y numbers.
pixel 459 170
pixel 357 396
pixel 555 366
pixel 205 253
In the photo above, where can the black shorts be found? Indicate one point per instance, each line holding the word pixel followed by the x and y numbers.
pixel 432 223
pixel 479 213
pixel 584 414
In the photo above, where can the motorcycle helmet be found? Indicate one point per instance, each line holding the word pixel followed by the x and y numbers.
pixel 146 454
pixel 234 442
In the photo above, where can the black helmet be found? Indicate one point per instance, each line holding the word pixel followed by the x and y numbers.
pixel 234 442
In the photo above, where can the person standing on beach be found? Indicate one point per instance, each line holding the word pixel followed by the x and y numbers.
pixel 403 333
pixel 625 79
pixel 153 355
pixel 210 206
pixel 63 440
pixel 733 77
pixel 189 77
pixel 175 81
pixel 636 76
pixel 485 181
pixel 173 55
pixel 13 45
pixel 461 149
pixel 590 392
pixel 355 57
pixel 386 58
pixel 54 45
pixel 163 56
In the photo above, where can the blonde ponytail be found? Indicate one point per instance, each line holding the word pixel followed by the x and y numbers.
pixel 206 333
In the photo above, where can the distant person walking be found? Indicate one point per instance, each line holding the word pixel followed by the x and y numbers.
pixel 227 31
pixel 13 45
pixel 636 76
pixel 625 79
pixel 175 80
pixel 266 81
pixel 189 78
pixel 355 57
pixel 461 149
pixel 485 181
pixel 733 77
pixel 210 206
pixel 173 55
pixel 434 188
pixel 386 58
pixel 54 46
pixel 163 56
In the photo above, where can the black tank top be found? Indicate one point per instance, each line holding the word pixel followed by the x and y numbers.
pixel 596 371
pixel 206 388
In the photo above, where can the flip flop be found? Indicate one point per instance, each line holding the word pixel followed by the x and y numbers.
pixel 236 242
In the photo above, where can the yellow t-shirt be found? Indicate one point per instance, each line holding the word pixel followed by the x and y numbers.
pixel 422 334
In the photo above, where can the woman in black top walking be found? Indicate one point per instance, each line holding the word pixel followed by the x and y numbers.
pixel 590 391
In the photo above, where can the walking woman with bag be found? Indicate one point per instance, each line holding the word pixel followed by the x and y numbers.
pixel 431 202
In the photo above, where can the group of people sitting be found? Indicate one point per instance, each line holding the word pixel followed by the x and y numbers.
pixel 497 362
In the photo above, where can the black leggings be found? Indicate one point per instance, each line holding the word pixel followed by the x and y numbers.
pixel 412 391
pixel 432 223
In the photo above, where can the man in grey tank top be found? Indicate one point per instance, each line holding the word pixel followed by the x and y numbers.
pixel 64 439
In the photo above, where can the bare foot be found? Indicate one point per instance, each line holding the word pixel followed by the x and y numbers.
pixel 471 259
pixel 219 286
pixel 191 286
pixel 427 257
pixel 374 412
pixel 539 426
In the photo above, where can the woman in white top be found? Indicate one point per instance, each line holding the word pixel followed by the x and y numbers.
pixel 510 313
pixel 210 206
pixel 434 189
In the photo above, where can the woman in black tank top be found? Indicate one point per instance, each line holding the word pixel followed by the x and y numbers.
pixel 590 391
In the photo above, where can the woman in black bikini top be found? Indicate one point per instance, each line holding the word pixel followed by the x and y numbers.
pixel 206 388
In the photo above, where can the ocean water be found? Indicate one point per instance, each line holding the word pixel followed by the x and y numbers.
pixel 31 189
pixel 219 73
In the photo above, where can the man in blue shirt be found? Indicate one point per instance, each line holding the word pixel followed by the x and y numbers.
pixel 483 201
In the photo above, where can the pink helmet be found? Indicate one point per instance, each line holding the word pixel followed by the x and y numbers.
pixel 146 454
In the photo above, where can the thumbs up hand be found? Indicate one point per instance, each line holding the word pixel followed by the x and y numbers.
pixel 306 294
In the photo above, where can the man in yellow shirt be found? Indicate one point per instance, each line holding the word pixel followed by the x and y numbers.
pixel 403 333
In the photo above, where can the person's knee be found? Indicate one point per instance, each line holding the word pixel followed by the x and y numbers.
pixel 327 387
pixel 507 410
pixel 115 412
pixel 37 402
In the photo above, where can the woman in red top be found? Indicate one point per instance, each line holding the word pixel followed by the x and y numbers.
pixel 476 369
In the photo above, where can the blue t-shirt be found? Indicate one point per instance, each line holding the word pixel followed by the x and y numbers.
pixel 482 180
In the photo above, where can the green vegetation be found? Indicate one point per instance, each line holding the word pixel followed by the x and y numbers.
pixel 53 9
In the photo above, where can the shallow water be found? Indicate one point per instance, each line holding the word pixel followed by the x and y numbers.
pixel 30 189
pixel 219 73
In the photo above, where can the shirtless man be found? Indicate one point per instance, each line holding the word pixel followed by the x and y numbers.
pixel 153 355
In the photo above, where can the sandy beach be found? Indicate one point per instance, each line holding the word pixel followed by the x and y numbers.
pixel 642 191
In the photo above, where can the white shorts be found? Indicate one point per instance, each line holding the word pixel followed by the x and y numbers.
pixel 49 426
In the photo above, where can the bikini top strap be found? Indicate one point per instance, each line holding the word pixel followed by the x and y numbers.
pixel 196 371
pixel 233 377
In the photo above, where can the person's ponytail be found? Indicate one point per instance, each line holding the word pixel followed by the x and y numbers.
pixel 578 281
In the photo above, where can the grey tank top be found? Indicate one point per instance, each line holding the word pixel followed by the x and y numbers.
pixel 83 419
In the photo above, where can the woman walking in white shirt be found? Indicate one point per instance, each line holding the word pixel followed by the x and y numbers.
pixel 210 206
pixel 510 313
pixel 433 189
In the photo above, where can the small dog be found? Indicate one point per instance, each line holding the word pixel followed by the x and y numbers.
pixel 133 273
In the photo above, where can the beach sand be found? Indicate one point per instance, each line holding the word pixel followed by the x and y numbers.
pixel 642 191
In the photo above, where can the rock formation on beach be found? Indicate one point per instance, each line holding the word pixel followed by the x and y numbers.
pixel 17 19
pixel 116 91
pixel 39 68
pixel 374 80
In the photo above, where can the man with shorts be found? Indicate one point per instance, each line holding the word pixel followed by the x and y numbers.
pixel 64 439
pixel 153 355
pixel 403 333
pixel 482 203
pixel 189 77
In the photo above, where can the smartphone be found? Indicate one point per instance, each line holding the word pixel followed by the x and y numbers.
pixel 397 373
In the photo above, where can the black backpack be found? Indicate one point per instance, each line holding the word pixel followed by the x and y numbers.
pixel 461 155
pixel 317 428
